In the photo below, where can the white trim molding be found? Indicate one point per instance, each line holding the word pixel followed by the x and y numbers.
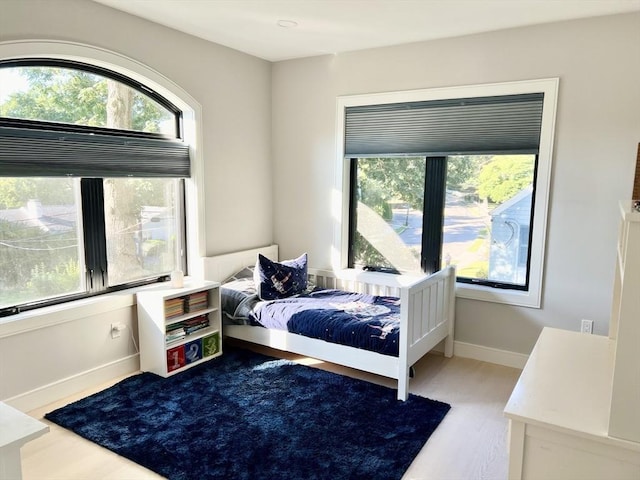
pixel 80 382
pixel 490 355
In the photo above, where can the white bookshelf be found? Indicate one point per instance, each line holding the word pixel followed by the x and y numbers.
pixel 174 338
pixel 575 411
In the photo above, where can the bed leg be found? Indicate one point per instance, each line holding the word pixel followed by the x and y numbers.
pixel 403 386
pixel 448 346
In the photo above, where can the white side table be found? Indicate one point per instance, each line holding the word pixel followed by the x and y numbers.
pixel 16 429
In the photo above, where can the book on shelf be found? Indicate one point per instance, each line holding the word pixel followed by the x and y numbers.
pixel 199 320
pixel 195 328
pixel 178 330
pixel 173 307
pixel 175 336
pixel 196 301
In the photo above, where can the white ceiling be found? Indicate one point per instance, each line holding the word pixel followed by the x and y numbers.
pixel 335 26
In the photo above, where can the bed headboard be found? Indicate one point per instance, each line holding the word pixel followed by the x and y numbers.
pixel 221 267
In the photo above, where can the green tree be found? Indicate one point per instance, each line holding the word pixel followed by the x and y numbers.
pixel 391 179
pixel 15 192
pixel 505 176
pixel 26 252
pixel 382 181
pixel 59 95
pixel 463 171
pixel 77 97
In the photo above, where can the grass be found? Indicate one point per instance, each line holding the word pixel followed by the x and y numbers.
pixel 477 269
pixel 477 244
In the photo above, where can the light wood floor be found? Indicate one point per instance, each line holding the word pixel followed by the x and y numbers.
pixel 469 444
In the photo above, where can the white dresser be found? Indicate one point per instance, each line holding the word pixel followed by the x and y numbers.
pixel 16 429
pixel 575 411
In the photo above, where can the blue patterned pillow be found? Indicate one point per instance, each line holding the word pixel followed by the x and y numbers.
pixel 280 279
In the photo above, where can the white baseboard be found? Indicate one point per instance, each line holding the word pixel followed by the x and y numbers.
pixel 491 355
pixel 69 386
pixel 46 394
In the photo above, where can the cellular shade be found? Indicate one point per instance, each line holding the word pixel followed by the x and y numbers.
pixel 48 153
pixel 492 125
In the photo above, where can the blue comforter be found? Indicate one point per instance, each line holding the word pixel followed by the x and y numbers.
pixel 353 319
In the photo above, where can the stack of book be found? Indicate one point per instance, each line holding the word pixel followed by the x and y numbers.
pixel 174 332
pixel 173 307
pixel 179 330
pixel 196 301
pixel 195 324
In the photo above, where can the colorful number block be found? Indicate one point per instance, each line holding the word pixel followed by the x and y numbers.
pixel 175 358
pixel 211 344
pixel 193 351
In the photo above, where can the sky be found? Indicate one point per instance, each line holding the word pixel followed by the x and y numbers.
pixel 10 82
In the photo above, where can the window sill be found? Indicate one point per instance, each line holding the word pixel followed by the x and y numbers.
pixel 496 295
pixel 68 312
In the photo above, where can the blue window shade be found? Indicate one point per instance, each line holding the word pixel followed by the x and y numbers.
pixel 41 152
pixel 493 125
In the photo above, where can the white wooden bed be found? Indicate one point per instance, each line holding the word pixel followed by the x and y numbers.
pixel 426 315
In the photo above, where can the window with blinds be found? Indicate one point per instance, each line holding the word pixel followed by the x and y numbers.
pixel 435 181
pixel 91 183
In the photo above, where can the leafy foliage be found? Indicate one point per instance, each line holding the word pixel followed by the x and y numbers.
pixel 59 95
pixel 76 97
pixel 367 254
pixel 15 192
pixel 505 176
pixel 26 253
pixel 63 277
pixel 400 179
pixel 463 171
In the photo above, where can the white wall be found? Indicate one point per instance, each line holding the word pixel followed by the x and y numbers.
pixel 270 171
pixel 234 92
pixel 597 135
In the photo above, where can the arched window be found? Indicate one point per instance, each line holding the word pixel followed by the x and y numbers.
pixel 92 169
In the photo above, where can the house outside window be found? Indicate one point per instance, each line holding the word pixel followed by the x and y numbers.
pixel 462 182
pixel 91 184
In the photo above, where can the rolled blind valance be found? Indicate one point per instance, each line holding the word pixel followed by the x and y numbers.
pixel 500 124
pixel 26 152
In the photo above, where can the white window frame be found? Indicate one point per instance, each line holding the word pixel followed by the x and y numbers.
pixel 194 186
pixel 548 86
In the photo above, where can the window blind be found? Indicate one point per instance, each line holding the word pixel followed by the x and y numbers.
pixel 29 152
pixel 493 125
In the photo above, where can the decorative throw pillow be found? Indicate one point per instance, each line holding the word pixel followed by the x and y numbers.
pixel 280 279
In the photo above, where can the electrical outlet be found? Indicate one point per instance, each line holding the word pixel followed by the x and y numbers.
pixel 116 329
pixel 586 326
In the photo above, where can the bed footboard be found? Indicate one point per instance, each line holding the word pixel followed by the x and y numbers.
pixel 426 312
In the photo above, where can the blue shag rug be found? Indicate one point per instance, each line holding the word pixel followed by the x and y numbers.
pixel 247 416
